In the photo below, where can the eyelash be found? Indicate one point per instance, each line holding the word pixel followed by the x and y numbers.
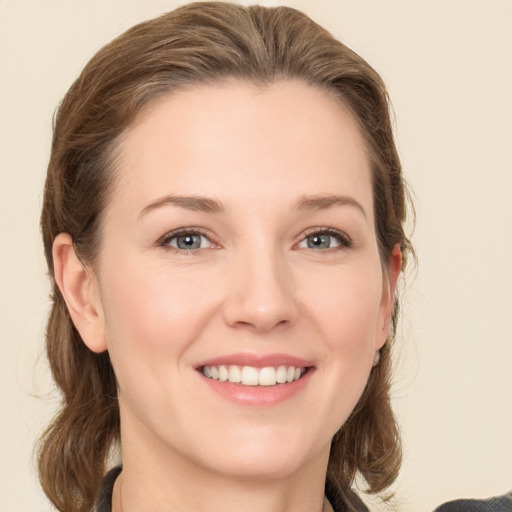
pixel 344 240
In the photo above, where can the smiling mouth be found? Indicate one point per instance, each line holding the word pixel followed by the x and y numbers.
pixel 253 376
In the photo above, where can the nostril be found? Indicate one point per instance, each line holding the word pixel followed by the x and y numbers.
pixel 260 324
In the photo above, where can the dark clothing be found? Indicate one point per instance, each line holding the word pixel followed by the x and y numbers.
pixel 497 504
pixel 104 499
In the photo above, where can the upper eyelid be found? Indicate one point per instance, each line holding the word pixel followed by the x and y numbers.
pixel 326 230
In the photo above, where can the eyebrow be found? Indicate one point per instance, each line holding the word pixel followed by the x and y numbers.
pixel 193 203
pixel 207 205
pixel 322 202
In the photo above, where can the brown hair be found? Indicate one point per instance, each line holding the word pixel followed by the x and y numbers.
pixel 197 43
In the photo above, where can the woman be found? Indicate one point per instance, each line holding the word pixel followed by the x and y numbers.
pixel 223 224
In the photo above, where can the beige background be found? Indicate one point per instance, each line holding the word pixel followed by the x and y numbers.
pixel 448 67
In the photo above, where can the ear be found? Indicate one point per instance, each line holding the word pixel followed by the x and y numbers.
pixel 79 287
pixel 389 284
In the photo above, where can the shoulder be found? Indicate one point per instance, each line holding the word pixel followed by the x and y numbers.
pixel 501 503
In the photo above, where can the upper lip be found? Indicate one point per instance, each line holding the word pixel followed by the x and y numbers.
pixel 256 360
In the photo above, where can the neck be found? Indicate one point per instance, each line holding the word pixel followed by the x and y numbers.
pixel 227 498
pixel 165 482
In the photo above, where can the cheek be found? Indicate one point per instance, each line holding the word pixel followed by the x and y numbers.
pixel 347 308
pixel 346 318
pixel 152 316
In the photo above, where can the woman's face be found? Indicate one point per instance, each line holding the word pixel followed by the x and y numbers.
pixel 239 243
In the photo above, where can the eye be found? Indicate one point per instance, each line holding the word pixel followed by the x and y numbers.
pixel 186 241
pixel 325 239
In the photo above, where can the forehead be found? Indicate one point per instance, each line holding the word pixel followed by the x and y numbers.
pixel 226 140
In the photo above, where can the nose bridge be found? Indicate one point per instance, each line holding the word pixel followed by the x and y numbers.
pixel 261 290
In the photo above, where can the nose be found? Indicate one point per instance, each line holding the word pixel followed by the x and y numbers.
pixel 260 294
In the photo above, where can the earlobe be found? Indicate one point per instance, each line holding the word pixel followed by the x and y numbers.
pixel 389 292
pixel 79 288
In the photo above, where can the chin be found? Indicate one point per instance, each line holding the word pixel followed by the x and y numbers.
pixel 259 468
pixel 264 456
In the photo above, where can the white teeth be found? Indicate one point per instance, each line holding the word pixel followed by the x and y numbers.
pixel 281 375
pixel 235 374
pixel 251 376
pixel 223 373
pixel 267 376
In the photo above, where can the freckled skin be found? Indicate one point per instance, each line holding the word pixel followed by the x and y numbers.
pixel 253 286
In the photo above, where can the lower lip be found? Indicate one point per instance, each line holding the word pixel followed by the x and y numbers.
pixel 258 395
